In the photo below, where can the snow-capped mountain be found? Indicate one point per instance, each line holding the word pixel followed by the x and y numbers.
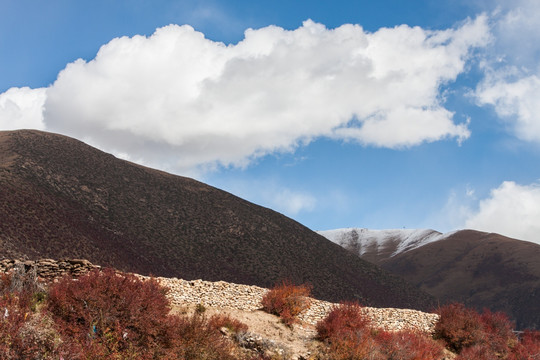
pixel 374 245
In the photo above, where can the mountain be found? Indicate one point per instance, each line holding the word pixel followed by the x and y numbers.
pixel 482 270
pixel 378 245
pixel 61 198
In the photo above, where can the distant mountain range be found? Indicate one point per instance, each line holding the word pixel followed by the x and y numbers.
pixel 482 270
pixel 60 198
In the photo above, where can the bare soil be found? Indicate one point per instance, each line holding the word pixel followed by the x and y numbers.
pixel 295 342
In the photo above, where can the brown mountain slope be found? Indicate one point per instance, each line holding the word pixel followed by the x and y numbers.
pixel 62 198
pixel 483 270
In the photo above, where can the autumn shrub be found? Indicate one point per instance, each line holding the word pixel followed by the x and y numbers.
pixel 478 352
pixel 528 347
pixel 498 332
pixel 25 334
pixel 458 326
pixel 344 319
pixel 352 346
pixel 489 335
pixel 111 313
pixel 287 301
pixel 198 339
pixel 219 321
pixel 347 334
pixel 408 345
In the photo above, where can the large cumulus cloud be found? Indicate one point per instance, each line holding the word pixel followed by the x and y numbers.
pixel 179 101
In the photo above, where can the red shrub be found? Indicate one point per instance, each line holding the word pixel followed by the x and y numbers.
pixel 342 320
pixel 118 312
pixel 225 321
pixel 489 335
pixel 23 333
pixel 287 301
pixel 528 347
pixel 458 326
pixel 408 345
pixel 197 339
pixel 347 334
pixel 354 346
pixel 499 335
pixel 477 352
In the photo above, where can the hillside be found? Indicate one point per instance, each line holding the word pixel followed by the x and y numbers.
pixel 482 270
pixel 64 199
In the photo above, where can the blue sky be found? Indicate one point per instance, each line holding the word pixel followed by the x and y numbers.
pixel 384 114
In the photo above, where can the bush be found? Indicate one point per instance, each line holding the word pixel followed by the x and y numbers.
pixel 458 327
pixel 353 346
pixel 23 333
pixel 477 352
pixel 287 301
pixel 217 322
pixel 408 345
pixel 347 334
pixel 498 333
pixel 528 347
pixel 198 339
pixel 345 319
pixel 486 336
pixel 105 312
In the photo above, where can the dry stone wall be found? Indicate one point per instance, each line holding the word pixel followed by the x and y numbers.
pixel 228 295
pixel 49 269
pixel 248 298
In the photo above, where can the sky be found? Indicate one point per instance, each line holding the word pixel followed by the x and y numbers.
pixel 377 114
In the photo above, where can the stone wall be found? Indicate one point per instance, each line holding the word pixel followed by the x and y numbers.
pixel 248 298
pixel 228 295
pixel 48 269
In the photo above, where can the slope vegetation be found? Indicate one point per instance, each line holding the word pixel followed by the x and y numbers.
pixel 64 199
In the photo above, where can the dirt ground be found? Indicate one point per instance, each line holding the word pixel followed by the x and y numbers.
pixel 295 342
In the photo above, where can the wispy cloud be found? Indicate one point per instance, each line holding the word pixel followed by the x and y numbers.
pixel 180 101
pixel 512 81
pixel 292 202
pixel 273 194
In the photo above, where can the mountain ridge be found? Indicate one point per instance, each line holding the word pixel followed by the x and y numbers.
pixel 65 199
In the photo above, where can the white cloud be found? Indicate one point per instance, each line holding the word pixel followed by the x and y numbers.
pixel 516 100
pixel 512 210
pixel 512 82
pixel 292 202
pixel 270 193
pixel 22 108
pixel 179 101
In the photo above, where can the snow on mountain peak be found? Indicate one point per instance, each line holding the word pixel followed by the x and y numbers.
pixel 389 242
